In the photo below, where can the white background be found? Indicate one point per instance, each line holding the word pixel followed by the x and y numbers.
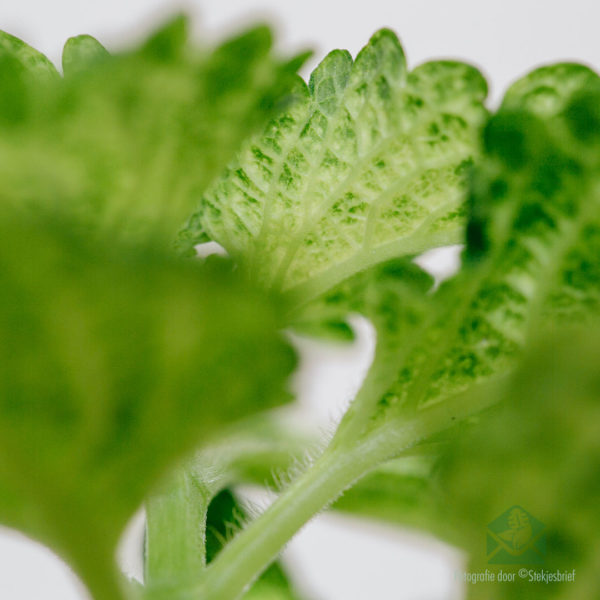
pixel 332 558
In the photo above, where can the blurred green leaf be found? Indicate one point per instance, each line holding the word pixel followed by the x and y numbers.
pixel 259 450
pixel 391 294
pixel 113 364
pixel 23 73
pixel 81 53
pixel 128 143
pixel 539 450
pixel 32 61
pixel 539 189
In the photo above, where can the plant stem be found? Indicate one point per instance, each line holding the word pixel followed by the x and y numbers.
pixel 247 555
pixel 175 533
pixel 254 548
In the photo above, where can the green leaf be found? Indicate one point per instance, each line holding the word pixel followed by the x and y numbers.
pixel 128 143
pixel 367 165
pixel 531 255
pixel 546 90
pixel 32 61
pixel 168 44
pixel 539 451
pixel 24 74
pixel 81 53
pixel 114 364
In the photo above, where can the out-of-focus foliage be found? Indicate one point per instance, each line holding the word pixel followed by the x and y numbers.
pixel 368 165
pixel 129 142
pixel 82 53
pixel 259 450
pixel 540 450
pixel 117 358
pixel 112 365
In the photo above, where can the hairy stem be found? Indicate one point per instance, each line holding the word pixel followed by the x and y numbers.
pixel 248 554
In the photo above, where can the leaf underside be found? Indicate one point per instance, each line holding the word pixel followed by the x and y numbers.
pixel 367 164
pixel 532 248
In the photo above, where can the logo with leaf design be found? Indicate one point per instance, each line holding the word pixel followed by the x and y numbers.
pixel 516 537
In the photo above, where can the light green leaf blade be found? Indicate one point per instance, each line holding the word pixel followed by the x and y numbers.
pixel 531 241
pixel 113 365
pixel 366 166
pixel 128 143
